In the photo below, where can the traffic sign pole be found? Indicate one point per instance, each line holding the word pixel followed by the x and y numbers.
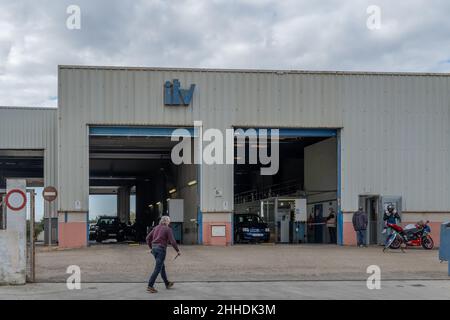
pixel 49 194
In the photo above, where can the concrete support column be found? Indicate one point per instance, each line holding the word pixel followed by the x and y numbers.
pixel 123 204
pixel 72 229
pixel 13 248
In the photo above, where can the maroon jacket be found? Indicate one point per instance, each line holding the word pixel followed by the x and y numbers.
pixel 161 235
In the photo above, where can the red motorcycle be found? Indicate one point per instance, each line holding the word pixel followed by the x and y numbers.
pixel 411 236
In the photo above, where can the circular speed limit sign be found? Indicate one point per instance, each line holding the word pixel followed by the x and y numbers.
pixel 16 200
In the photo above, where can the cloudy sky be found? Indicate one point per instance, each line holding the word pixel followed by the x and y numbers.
pixel 268 34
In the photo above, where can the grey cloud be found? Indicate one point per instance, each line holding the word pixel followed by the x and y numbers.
pixel 288 34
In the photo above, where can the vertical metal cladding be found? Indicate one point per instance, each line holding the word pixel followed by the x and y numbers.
pixel 395 127
pixel 33 129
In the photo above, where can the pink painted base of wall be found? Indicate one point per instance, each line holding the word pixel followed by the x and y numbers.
pixel 208 239
pixel 72 235
pixel 349 235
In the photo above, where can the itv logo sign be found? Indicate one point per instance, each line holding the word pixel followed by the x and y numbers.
pixel 175 96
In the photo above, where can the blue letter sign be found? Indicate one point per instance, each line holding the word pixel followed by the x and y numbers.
pixel 175 96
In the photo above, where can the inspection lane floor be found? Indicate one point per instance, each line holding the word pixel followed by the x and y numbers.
pixel 133 263
pixel 290 290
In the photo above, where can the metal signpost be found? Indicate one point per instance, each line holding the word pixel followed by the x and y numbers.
pixel 31 275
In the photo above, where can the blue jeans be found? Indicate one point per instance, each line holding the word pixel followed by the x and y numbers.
pixel 361 237
pixel 160 255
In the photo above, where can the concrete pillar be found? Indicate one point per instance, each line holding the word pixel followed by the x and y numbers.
pixel 72 229
pixel 13 257
pixel 123 204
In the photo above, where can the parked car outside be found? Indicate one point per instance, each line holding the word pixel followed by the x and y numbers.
pixel 109 228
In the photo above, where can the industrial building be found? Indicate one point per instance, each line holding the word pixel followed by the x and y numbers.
pixel 346 139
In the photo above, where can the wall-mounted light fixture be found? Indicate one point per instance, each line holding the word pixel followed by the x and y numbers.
pixel 193 182
pixel 172 190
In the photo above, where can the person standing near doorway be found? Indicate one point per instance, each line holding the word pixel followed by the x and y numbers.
pixel 360 225
pixel 331 225
pixel 157 240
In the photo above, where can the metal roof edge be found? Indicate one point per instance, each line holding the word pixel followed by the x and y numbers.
pixel 273 71
pixel 28 108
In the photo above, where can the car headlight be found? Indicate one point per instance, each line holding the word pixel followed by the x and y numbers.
pixel 267 229
pixel 245 229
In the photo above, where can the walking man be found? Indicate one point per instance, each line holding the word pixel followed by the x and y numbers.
pixel 157 240
pixel 360 225
pixel 331 225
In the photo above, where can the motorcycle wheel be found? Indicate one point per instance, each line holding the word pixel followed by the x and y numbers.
pixel 427 243
pixel 389 241
pixel 396 244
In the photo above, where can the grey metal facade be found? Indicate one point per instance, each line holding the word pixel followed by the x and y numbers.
pixel 394 128
pixel 32 129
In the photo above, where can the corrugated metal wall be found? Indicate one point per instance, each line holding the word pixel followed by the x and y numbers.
pixel 396 140
pixel 395 137
pixel 31 128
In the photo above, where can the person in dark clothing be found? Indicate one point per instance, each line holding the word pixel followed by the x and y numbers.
pixel 390 216
pixel 157 240
pixel 331 225
pixel 360 225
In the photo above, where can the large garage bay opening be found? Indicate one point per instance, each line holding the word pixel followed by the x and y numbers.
pixel 131 167
pixel 22 164
pixel 298 204
pixel 29 166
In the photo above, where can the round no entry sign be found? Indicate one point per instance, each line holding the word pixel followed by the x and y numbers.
pixel 49 194
pixel 16 199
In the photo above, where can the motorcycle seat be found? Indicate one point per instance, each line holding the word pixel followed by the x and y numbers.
pixel 412 231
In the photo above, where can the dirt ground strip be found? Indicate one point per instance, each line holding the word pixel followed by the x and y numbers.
pixel 131 263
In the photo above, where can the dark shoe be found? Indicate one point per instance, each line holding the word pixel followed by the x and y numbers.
pixel 151 290
pixel 169 285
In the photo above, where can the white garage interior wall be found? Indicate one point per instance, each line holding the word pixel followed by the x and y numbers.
pixel 321 171
pixel 321 167
pixel 186 174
